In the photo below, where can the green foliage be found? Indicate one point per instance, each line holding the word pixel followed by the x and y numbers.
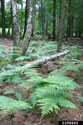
pixel 31 73
pixel 76 68
pixel 81 98
pixel 52 93
pixel 8 105
pixel 71 67
pixel 9 77
pixel 18 93
pixel 7 57
pixel 48 94
pixel 76 52
pixel 21 58
pixel 38 49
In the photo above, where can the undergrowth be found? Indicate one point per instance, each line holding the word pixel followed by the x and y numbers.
pixel 48 94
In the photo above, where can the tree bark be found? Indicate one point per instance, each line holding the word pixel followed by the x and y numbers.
pixel 16 33
pixel 28 33
pixel 79 34
pixel 12 24
pixel 21 30
pixel 43 21
pixel 61 24
pixel 45 59
pixel 9 28
pixel 26 16
pixel 68 20
pixel 33 20
pixel 54 19
pixel 3 17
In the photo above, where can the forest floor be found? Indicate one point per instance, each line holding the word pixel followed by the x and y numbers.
pixel 34 117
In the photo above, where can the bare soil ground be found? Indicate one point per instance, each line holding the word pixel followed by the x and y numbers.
pixel 34 117
pixel 6 42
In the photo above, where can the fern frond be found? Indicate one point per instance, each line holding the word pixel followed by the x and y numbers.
pixel 9 105
pixel 71 67
pixel 66 103
pixel 61 80
pixel 54 93
pixel 47 105
pixel 18 93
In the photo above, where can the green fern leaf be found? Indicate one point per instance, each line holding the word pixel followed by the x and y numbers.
pixel 9 105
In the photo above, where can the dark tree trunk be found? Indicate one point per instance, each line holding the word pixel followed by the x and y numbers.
pixel 54 19
pixel 79 34
pixel 71 27
pixel 3 17
pixel 69 19
pixel 26 16
pixel 12 24
pixel 16 34
pixel 43 20
pixel 28 33
pixel 21 30
pixel 61 24
pixel 9 29
pixel 76 34
pixel 33 20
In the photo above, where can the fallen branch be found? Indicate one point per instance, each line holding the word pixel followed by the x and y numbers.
pixel 35 63
pixel 45 59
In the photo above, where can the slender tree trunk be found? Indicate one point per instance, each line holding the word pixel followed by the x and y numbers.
pixel 3 17
pixel 43 19
pixel 26 16
pixel 21 18
pixel 10 21
pixel 79 34
pixel 54 19
pixel 12 24
pixel 71 27
pixel 69 20
pixel 28 33
pixel 16 34
pixel 9 29
pixel 61 24
pixel 33 20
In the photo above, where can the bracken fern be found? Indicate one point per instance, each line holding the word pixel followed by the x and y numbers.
pixel 53 93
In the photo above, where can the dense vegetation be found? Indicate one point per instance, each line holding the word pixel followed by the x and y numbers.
pixel 38 29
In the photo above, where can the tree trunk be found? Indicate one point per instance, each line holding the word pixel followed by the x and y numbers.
pixel 16 34
pixel 45 59
pixel 28 33
pixel 43 20
pixel 33 20
pixel 71 27
pixel 26 16
pixel 9 28
pixel 12 24
pixel 36 63
pixel 10 21
pixel 54 19
pixel 21 18
pixel 79 34
pixel 3 17
pixel 68 20
pixel 61 24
